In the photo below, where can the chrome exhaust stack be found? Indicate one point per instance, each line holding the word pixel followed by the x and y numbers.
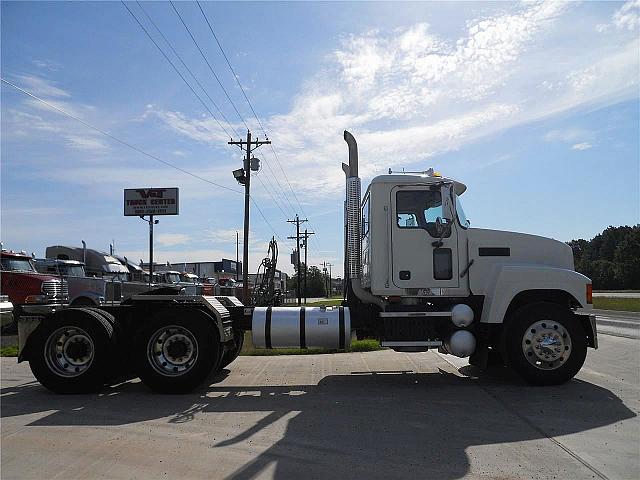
pixel 352 227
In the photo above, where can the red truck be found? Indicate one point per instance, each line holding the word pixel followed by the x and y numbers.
pixel 30 292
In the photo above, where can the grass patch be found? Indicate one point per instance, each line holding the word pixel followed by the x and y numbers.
pixel 331 302
pixel 366 345
pixel 621 304
pixel 9 351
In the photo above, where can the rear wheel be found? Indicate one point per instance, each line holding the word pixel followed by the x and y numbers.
pixel 174 353
pixel 72 352
pixel 545 344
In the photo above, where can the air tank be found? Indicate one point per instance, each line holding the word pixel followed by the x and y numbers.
pixel 301 327
pixel 461 343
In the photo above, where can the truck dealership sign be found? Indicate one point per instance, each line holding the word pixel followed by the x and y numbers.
pixel 150 201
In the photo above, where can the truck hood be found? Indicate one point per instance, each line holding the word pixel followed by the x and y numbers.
pixel 511 247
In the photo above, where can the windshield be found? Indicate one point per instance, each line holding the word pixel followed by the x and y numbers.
pixel 17 264
pixel 462 218
pixel 172 277
pixel 72 270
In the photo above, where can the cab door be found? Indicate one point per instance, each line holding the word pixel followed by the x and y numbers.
pixel 418 259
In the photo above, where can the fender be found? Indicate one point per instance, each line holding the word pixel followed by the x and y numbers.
pixel 95 297
pixel 506 281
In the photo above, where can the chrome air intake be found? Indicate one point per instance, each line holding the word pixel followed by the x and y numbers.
pixel 301 327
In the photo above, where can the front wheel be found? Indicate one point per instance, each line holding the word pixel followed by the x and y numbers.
pixel 545 344
pixel 174 352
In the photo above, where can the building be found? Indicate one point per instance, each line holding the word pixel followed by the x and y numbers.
pixel 223 269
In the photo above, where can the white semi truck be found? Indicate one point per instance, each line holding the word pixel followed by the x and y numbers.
pixel 417 277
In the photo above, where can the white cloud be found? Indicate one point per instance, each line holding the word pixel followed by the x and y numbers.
pixel 46 64
pixel 628 16
pixel 581 146
pixel 41 87
pixel 567 135
pixel 171 239
pixel 410 94
pixel 86 143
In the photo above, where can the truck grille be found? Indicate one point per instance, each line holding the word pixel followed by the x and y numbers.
pixel 56 289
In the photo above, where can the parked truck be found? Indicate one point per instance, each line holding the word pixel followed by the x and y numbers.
pixel 83 290
pixel 417 277
pixel 114 280
pixel 29 292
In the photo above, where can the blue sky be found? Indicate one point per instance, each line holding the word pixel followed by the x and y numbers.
pixel 533 105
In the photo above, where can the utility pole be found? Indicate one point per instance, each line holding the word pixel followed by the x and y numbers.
pixel 306 267
pixel 248 145
pixel 297 221
pixel 237 243
pixel 325 265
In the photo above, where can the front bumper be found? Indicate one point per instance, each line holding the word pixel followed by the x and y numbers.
pixel 42 309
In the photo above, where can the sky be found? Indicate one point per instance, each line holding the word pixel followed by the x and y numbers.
pixel 533 105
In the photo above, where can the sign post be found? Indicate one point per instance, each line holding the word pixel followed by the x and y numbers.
pixel 141 202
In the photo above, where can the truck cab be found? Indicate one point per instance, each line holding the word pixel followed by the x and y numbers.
pixel 30 292
pixel 419 277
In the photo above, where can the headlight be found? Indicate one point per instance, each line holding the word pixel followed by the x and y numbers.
pixel 35 299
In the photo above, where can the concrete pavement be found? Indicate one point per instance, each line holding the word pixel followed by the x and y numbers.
pixel 359 415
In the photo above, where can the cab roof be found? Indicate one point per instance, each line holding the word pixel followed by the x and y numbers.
pixel 418 179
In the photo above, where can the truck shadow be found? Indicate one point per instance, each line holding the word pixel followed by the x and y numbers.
pixel 374 425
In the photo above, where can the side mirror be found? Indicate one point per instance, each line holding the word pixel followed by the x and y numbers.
pixel 443 227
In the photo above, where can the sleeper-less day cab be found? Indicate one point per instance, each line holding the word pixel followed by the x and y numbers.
pixel 417 277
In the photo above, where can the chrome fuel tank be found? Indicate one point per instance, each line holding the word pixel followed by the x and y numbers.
pixel 301 327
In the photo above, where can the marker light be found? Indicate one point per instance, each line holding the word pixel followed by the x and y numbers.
pixel 589 293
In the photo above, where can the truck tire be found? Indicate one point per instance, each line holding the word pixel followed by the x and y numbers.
pixel 71 352
pixel 232 353
pixel 545 344
pixel 175 351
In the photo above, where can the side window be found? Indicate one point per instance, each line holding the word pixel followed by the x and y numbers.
pixel 419 209
pixel 365 217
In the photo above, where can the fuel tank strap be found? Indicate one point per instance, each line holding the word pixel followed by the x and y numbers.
pixel 341 327
pixel 303 336
pixel 267 328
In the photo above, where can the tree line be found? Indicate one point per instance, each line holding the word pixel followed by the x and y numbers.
pixel 316 281
pixel 611 259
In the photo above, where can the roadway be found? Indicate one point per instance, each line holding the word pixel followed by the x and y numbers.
pixel 354 415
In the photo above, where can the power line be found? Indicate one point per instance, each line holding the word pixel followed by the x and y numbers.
pixel 186 67
pixel 235 76
pixel 246 97
pixel 199 84
pixel 113 137
pixel 175 68
pixel 232 70
pixel 133 147
pixel 209 65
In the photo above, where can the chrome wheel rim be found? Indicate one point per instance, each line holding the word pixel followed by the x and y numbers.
pixel 172 351
pixel 546 344
pixel 69 351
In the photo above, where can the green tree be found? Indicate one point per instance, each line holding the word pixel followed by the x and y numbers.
pixel 611 259
pixel 315 281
